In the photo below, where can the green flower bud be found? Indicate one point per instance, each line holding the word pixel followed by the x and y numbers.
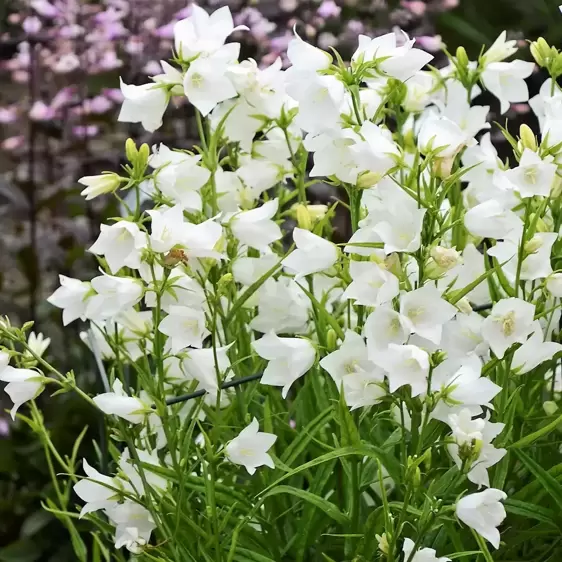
pixel 131 151
pixel 528 139
pixel 331 340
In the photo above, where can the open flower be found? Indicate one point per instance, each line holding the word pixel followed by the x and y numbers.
pixel 23 384
pixel 289 359
pixel 143 104
pixel 483 512
pixel 119 403
pixel 250 448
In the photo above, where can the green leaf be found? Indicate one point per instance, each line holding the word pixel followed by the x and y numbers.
pixel 370 451
pixel 250 556
pixel 530 511
pixel 463 554
pixel 349 432
pixel 483 546
pixel 327 507
pixel 548 482
pixel 321 311
pixel 34 523
pixel 305 435
pixel 20 551
pixel 532 437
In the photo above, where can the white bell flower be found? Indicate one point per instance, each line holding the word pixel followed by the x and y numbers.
pixel 289 359
pixel 202 33
pixel 463 336
pixel 492 220
pixel 372 284
pixel 510 321
pixel 533 176
pixel 167 228
pixel 201 365
pixel 134 525
pixel 506 80
pixel 248 270
pixel 98 491
pixel 385 326
pixel 255 228
pixel 399 62
pixel 464 386
pixel 421 554
pixel 426 312
pixel 37 344
pixel 99 185
pixel 401 232
pixel 185 327
pixel 483 512
pixel 71 296
pixel 119 403
pixel 23 384
pixel 312 255
pixel 282 308
pixel 249 448
pixel 419 91
pixel 405 365
pixel 501 49
pixel 553 284
pixel 143 104
pixel 444 134
pixel 534 351
pixel 120 244
pixel 114 295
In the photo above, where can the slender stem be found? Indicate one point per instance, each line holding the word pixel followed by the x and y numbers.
pixel 522 246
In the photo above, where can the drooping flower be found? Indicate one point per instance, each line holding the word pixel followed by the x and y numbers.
pixel 99 185
pixel 313 254
pixel 143 104
pixel 71 296
pixel 256 228
pixel 420 555
pixel 113 295
pixel 289 359
pixel 185 327
pixel 23 384
pixel 372 284
pixel 98 491
pixel 119 403
pixel 250 447
pixel 133 525
pixel 483 512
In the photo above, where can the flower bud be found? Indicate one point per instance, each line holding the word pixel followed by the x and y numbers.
pixel 331 340
pixel 308 215
pixel 533 245
pixel 442 260
pixel 462 59
pixel 392 264
pixel 98 185
pixel 550 408
pixel 464 306
pixel 382 541
pixel 224 282
pixel 131 150
pixel 542 52
pixel 174 257
pixel 442 167
pixel 368 179
pixel 528 139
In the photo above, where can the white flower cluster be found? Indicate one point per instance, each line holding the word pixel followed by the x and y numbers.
pixel 444 294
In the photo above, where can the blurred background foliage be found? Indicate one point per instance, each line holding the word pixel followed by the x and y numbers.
pixel 60 62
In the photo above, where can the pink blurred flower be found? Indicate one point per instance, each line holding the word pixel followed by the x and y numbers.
pixel 40 111
pixel 87 131
pixel 8 114
pixel 134 45
pixel 520 108
pixel 98 105
pixel 63 97
pixel 450 4
pixel 4 427
pixel 66 63
pixel 288 5
pixel 328 9
pixel 431 43
pixel 327 40
pixel 44 8
pixel 165 31
pixel 20 76
pixel 31 25
pixel 113 94
pixel 13 143
pixel 151 68
pixel 70 31
pixel 109 61
pixel 417 7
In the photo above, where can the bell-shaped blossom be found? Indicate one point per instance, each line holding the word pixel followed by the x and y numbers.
pixel 305 57
pixel 133 525
pixel 289 359
pixel 313 254
pixel 463 336
pixel 181 179
pixel 473 439
pixel 372 284
pixel 256 228
pixel 483 512
pixel 491 220
pixel 170 76
pixel 534 351
pixel 167 228
pixel 377 153
pixel 248 270
pixel 185 327
pixel 133 482
pixel 419 91
pixel 206 83
pixel 426 312
pixel 97 490
pixel 202 240
pixel 510 321
pixel 483 160
pixel 202 365
pixel 37 344
pixel 249 448
pixel 405 365
pixel 143 104
pixel 500 50
pixel 533 176
pixel 401 232
pixel 444 134
pixel 119 403
pixel 385 326
pixel 399 62
pixel 23 384
pixel 350 369
pixel 71 296
pixel 462 386
pixel 553 284
pixel 282 308
pixel 506 80
pixel 120 244
pixel 181 289
pixel 421 554
pixel 202 33
pixel 113 296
